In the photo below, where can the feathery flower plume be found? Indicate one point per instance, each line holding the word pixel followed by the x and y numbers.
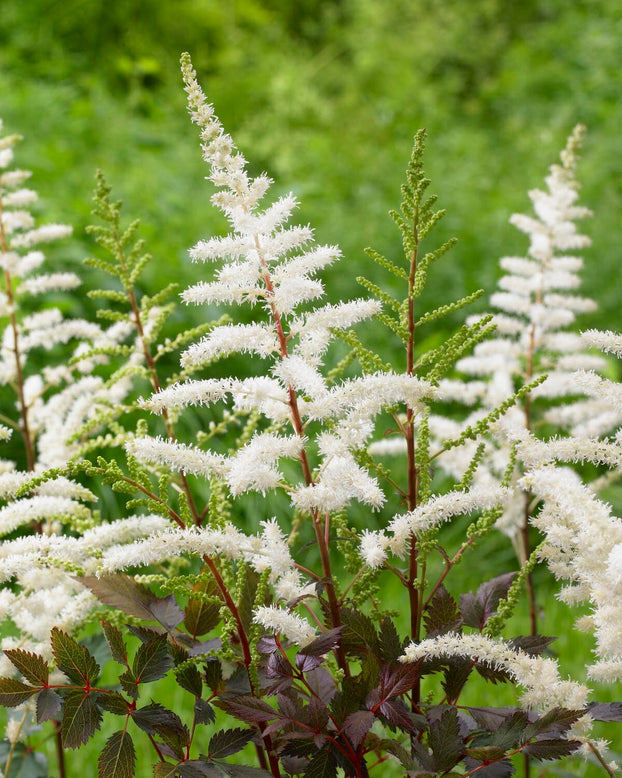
pixel 540 679
pixel 265 261
pixel 52 407
pixel 303 430
pixel 537 301
pixel 583 542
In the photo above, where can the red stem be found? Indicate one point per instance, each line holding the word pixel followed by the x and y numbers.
pixel 321 531
pixel 413 592
pixel 60 751
pixel 247 657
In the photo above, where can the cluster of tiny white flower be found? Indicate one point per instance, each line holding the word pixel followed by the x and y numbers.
pixel 583 536
pixel 52 408
pixel 260 264
pixel 265 551
pixel 538 302
pixel 539 677
pixel 437 510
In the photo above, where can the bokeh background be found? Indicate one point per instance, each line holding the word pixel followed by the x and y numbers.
pixel 324 95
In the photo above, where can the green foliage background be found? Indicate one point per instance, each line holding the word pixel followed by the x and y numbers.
pixel 325 95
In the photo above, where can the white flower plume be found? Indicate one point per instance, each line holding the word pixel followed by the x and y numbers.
pixel 537 299
pixel 273 265
pixel 543 687
pixel 282 622
pixel 376 546
pixel 583 542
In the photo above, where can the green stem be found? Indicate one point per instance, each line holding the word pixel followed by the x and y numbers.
pixel 9 758
pixel 600 758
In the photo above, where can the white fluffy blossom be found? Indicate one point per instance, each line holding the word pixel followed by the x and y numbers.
pixel 253 467
pixel 608 341
pixel 52 282
pixel 313 329
pixel 583 541
pixel 340 481
pixel 45 234
pixel 229 339
pixel 537 300
pixel 543 688
pixel 282 622
pixel 191 392
pixel 260 393
pixel 267 550
pixel 375 546
pixel 42 507
pixel 178 456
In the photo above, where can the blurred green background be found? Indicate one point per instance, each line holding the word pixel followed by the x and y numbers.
pixel 325 95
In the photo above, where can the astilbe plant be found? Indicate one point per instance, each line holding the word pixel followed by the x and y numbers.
pixel 284 625
pixel 538 306
pixel 50 403
pixel 574 518
pixel 43 407
pixel 583 537
pixel 568 418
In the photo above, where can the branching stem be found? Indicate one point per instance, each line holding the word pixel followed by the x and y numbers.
pixel 246 655
pixel 153 373
pixel 321 525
